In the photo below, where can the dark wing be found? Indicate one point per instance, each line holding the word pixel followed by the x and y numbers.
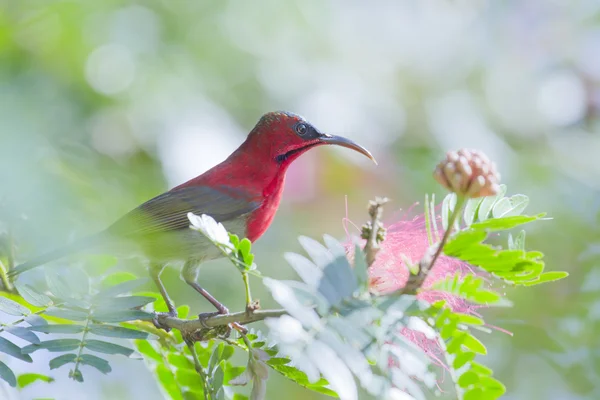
pixel 168 212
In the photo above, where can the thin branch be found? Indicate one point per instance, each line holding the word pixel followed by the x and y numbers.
pixel 415 281
pixel 204 328
pixel 373 231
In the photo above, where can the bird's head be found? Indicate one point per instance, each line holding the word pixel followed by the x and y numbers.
pixel 281 137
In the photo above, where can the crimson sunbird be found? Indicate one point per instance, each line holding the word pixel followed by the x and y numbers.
pixel 243 193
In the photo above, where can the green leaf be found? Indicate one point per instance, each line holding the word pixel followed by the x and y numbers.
pixel 306 269
pixel 505 223
pixel 301 379
pixel 168 382
pixel 467 379
pixel 360 267
pixel 124 303
pixel 234 239
pixel 232 373
pixel 352 333
pixel 117 332
pixel 122 316
pixel 76 375
pixel 13 350
pixel 147 350
pixel 308 297
pixel 73 315
pixel 183 311
pixel 32 296
pixel 215 357
pixel 448 205
pixel 25 380
pixel 474 344
pixel 117 278
pixel 510 206
pixel 487 204
pixel 194 395
pixel 180 361
pixel 58 328
pixel 121 288
pixel 473 394
pixel 58 286
pixel 471 208
pixel 463 358
pixel 7 375
pixel 467 287
pixel 93 361
pixel 101 346
pixel 338 281
pixel 278 361
pixel 227 352
pixel 463 240
pixel 285 296
pixel 490 383
pixel 78 281
pixel 189 378
pixel 486 297
pixel 98 264
pixel 517 243
pixel 23 333
pixel 244 249
pixel 12 308
pixel 548 277
pixel 334 245
pixel 56 345
pixel 468 319
pixel 35 319
pixel 218 377
pixel 62 360
pixel 480 369
pixel 204 351
pixel 319 254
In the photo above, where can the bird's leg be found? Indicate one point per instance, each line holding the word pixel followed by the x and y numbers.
pixel 155 270
pixel 189 273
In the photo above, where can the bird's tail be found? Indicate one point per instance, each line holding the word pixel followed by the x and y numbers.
pixel 54 255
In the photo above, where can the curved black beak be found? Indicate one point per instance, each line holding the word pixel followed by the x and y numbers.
pixel 342 141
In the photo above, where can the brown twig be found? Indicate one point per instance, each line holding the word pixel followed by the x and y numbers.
pixel 206 328
pixel 415 281
pixel 373 231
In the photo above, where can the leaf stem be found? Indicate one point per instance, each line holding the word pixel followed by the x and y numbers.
pixel 199 369
pixel 428 221
pixel 82 343
pixel 17 322
pixel 6 285
pixel 247 286
pixel 460 202
pixel 434 225
pixel 415 281
pixel 451 370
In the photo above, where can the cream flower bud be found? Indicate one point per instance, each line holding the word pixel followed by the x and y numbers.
pixel 469 173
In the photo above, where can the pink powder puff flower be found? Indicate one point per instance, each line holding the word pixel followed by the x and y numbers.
pixel 407 239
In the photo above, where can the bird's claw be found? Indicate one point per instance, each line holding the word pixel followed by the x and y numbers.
pixel 224 311
pixel 204 316
pixel 158 324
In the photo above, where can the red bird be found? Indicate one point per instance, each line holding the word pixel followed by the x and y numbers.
pixel 243 193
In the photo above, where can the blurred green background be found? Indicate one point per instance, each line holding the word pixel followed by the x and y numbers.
pixel 106 103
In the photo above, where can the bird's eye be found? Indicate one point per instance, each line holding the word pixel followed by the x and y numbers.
pixel 301 129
